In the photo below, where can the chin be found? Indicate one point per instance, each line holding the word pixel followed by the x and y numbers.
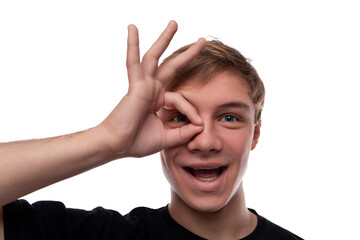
pixel 207 208
pixel 206 204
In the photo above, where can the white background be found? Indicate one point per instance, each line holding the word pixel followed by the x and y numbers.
pixel 62 69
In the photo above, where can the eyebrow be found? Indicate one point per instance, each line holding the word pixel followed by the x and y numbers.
pixel 236 104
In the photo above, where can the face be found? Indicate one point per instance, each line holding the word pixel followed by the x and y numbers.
pixel 207 172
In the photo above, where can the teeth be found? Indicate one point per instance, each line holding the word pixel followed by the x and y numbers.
pixel 206 174
pixel 207 179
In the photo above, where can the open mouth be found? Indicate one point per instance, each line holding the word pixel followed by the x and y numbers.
pixel 205 174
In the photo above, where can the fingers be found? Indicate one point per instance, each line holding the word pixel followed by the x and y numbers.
pixel 182 133
pixel 168 70
pixel 178 136
pixel 151 58
pixel 149 65
pixel 176 101
pixel 133 55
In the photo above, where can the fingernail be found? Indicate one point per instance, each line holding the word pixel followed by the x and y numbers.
pixel 201 39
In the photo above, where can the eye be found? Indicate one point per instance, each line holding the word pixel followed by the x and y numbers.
pixel 180 118
pixel 229 118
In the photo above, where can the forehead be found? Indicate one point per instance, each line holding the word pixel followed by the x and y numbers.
pixel 222 88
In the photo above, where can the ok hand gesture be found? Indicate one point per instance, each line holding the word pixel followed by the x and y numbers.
pixel 133 128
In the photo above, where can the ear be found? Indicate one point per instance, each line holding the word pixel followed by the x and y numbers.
pixel 256 135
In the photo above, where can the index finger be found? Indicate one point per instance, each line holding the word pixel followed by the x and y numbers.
pixel 175 100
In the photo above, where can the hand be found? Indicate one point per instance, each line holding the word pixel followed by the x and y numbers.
pixel 133 128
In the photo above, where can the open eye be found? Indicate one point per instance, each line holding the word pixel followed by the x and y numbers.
pixel 229 118
pixel 180 118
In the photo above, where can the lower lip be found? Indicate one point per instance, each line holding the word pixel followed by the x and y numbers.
pixel 207 184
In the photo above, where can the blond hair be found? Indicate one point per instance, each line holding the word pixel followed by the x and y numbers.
pixel 217 57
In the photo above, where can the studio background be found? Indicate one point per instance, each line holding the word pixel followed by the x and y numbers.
pixel 62 70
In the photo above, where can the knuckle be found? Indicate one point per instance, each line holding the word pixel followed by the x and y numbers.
pixel 176 95
pixel 177 98
pixel 147 56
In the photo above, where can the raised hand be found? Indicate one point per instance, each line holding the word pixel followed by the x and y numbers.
pixel 133 128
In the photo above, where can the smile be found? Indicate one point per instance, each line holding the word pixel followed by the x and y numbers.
pixel 205 174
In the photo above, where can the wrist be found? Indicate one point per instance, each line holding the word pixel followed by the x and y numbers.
pixel 109 145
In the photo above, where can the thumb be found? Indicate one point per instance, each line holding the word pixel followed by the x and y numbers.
pixel 182 135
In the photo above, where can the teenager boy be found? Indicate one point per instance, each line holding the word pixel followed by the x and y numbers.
pixel 201 108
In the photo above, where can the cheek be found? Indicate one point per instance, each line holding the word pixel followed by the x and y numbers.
pixel 167 163
pixel 238 149
pixel 239 142
pixel 167 156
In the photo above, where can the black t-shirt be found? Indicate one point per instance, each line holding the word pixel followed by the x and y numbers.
pixel 49 220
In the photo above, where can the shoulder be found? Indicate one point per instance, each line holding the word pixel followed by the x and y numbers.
pixel 51 218
pixel 266 229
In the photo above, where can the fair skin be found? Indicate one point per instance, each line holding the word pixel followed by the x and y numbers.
pixel 27 166
pixel 206 173
pixel 30 165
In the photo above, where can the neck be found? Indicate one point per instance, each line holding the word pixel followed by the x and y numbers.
pixel 233 221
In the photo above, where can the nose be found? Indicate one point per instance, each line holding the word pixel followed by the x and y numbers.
pixel 207 141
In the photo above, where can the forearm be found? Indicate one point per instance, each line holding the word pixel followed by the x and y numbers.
pixel 132 129
pixel 27 166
